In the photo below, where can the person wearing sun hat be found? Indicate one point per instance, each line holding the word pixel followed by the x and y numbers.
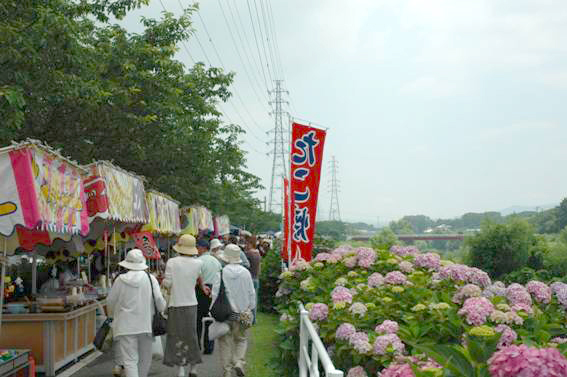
pixel 128 303
pixel 240 292
pixel 182 274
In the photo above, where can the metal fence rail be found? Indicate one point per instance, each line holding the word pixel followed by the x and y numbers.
pixel 309 364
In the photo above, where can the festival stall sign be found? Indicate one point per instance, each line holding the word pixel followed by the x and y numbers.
pixel 41 191
pixel 115 194
pixel 163 214
pixel 307 145
pixel 187 221
pixel 223 225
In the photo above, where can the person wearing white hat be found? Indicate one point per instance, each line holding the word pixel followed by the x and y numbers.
pixel 128 303
pixel 240 292
pixel 182 274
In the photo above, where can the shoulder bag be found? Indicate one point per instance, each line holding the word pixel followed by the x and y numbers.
pixel 159 323
pixel 101 334
pixel 221 309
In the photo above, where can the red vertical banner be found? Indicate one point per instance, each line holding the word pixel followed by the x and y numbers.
pixel 306 160
pixel 286 224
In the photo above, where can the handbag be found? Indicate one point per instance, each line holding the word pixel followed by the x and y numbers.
pixel 221 309
pixel 218 329
pixel 159 323
pixel 102 333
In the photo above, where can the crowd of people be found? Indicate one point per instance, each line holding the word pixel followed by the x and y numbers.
pixel 193 281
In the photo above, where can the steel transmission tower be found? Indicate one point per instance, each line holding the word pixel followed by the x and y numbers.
pixel 280 148
pixel 334 210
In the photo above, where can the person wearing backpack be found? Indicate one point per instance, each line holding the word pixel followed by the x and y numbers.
pixel 239 290
pixel 128 303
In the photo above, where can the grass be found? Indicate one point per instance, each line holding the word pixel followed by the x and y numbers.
pixel 261 346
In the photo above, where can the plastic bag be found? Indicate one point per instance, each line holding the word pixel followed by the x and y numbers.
pixel 157 349
pixel 218 329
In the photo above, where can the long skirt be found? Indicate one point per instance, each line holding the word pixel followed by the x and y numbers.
pixel 182 347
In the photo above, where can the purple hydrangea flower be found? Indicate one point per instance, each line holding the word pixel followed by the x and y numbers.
pixel 345 331
pixel 387 327
pixel 395 278
pixel 319 312
pixel 382 343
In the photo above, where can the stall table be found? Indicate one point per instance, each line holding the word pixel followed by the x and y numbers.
pixel 19 361
pixel 55 339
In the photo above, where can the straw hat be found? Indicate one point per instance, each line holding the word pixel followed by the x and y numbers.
pixel 232 254
pixel 215 244
pixel 135 260
pixel 186 245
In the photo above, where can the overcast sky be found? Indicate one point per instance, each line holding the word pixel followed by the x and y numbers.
pixel 435 107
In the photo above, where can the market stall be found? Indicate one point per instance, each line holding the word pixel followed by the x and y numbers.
pixel 43 205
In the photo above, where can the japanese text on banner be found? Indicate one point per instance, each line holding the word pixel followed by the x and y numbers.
pixel 306 161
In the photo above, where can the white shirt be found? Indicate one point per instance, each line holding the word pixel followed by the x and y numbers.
pixel 211 269
pixel 239 288
pixel 181 274
pixel 129 300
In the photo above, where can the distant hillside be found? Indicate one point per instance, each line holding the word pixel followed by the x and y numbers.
pixel 520 209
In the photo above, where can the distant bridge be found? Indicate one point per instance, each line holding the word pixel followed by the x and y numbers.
pixel 419 237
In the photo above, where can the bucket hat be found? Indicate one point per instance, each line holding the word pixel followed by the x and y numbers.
pixel 135 261
pixel 186 245
pixel 232 254
pixel 215 244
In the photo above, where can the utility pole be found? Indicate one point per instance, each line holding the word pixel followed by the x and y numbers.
pixel 334 210
pixel 280 148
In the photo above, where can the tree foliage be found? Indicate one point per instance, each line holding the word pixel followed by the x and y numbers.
pixel 502 248
pixel 94 90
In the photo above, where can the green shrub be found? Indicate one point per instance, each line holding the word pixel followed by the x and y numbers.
pixel 269 279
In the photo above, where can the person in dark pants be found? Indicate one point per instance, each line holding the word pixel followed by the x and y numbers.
pixel 211 272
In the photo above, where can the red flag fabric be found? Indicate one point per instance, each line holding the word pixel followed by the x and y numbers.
pixel 30 237
pixel 145 241
pixel 307 145
pixel 286 224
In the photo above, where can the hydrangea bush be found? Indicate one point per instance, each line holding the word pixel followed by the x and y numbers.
pixel 409 314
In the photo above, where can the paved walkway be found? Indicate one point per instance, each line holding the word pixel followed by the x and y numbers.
pixel 102 367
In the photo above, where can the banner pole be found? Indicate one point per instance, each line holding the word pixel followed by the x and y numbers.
pixel 4 261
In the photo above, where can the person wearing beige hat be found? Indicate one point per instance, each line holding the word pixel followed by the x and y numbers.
pixel 128 303
pixel 182 274
pixel 240 292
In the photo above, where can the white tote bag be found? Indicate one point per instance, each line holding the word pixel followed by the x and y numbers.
pixel 218 329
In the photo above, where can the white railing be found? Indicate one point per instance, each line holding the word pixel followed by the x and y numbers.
pixel 309 365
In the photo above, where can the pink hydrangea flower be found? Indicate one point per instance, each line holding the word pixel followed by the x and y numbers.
pixel 406 267
pixel 359 341
pixel 402 251
pixel 358 308
pixel 477 310
pixel 466 274
pixel 357 371
pixel 299 265
pixel 345 331
pixel 387 327
pixel 521 306
pixel 428 260
pixel 496 289
pixel 382 343
pixel 518 294
pixel 395 278
pixel 559 340
pixel 524 361
pixel 468 291
pixel 375 280
pixel 350 261
pixel 507 337
pixel 541 291
pixel 319 312
pixel 322 257
pixel 560 290
pixel 397 370
pixel 366 257
pixel 479 277
pixel 341 294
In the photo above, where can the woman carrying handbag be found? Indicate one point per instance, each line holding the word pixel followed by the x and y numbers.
pixel 182 274
pixel 130 297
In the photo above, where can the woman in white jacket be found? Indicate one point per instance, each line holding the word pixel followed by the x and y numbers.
pixel 128 304
pixel 240 292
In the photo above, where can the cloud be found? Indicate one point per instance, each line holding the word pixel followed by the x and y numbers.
pixel 428 86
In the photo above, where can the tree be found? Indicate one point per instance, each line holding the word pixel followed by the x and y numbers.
pixel 384 239
pixel 336 230
pixel 501 248
pixel 97 92
pixel 562 214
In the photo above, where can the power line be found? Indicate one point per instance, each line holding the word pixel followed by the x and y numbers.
pixel 244 123
pixel 263 43
pixel 257 45
pixel 237 51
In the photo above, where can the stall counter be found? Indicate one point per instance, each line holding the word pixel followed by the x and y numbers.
pixel 55 339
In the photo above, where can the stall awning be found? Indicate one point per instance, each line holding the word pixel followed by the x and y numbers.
pixel 163 214
pixel 40 190
pixel 115 194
